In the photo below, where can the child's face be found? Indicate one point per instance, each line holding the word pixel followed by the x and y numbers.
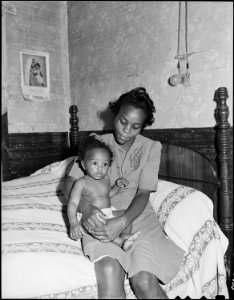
pixel 37 67
pixel 97 163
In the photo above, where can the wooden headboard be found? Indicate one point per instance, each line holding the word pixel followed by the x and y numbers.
pixel 196 157
pixel 206 166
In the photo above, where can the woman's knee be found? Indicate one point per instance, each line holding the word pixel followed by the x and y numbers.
pixel 146 286
pixel 108 267
pixel 110 279
pixel 142 281
pixel 109 273
pixel 146 283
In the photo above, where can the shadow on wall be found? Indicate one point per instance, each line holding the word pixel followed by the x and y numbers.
pixel 107 118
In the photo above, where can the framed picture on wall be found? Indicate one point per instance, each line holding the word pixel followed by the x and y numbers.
pixel 35 75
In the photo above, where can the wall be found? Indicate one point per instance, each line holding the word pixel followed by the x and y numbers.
pixel 117 45
pixel 38 26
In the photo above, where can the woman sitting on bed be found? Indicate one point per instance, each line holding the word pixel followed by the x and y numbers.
pixel 154 257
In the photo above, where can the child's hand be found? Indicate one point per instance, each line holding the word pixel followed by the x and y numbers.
pixel 122 182
pixel 75 231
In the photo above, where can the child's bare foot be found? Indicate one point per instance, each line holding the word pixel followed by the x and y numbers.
pixel 129 240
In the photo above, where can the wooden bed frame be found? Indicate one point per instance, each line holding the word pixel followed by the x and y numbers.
pixel 206 166
pixel 186 167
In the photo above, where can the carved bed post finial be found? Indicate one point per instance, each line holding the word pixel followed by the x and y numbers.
pixel 74 127
pixel 224 163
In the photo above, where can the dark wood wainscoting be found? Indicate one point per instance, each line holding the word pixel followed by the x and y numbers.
pixel 24 153
pixel 201 140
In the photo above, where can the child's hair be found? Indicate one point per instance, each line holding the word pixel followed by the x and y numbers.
pixel 91 142
pixel 138 98
pixel 37 64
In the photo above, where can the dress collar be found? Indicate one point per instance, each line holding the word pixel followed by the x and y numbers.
pixel 121 149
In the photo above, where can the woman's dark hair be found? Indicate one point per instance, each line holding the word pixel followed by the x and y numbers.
pixel 91 142
pixel 138 98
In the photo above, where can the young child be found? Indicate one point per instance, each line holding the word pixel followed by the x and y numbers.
pixel 94 186
pixel 38 74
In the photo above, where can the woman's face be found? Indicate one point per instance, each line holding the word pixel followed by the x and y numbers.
pixel 128 124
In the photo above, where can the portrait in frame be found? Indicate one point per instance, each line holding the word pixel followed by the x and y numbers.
pixel 35 75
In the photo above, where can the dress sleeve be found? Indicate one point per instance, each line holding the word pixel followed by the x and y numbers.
pixel 149 174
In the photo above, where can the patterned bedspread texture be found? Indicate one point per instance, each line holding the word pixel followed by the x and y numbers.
pixel 39 260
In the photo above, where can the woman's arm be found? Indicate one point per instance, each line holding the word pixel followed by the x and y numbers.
pixel 89 216
pixel 115 226
pixel 136 207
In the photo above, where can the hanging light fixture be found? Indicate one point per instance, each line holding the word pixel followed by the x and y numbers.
pixel 182 59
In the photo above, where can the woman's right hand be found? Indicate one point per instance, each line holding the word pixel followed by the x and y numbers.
pixel 92 217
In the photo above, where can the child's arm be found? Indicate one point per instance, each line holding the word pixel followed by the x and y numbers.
pixel 75 195
pixel 119 183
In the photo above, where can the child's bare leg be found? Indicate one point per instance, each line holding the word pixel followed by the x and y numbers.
pixel 126 238
pixel 129 240
pixel 118 241
pixel 125 241
pixel 123 236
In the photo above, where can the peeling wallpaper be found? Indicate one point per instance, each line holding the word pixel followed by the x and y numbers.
pixel 100 49
pixel 115 46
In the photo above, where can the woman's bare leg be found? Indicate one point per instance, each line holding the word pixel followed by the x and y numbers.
pixel 145 286
pixel 110 279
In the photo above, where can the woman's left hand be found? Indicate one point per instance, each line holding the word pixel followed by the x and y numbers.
pixel 110 230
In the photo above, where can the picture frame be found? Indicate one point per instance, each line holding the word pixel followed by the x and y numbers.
pixel 35 75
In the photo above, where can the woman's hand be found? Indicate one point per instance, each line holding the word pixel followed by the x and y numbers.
pixel 110 230
pixel 92 217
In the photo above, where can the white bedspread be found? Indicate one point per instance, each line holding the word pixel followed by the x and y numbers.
pixel 39 260
pixel 187 217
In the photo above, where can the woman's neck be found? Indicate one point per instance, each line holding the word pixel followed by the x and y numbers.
pixel 127 146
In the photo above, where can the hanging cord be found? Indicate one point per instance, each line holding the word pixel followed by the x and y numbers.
pixel 178 46
pixel 186 36
pixel 186 29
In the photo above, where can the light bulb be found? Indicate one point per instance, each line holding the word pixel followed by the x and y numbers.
pixel 175 79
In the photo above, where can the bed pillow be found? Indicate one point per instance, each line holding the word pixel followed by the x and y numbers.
pixel 58 168
pixel 173 202
pixel 49 179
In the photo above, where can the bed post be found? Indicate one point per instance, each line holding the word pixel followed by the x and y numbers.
pixel 225 201
pixel 73 129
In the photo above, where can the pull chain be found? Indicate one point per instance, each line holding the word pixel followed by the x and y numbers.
pixel 186 38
